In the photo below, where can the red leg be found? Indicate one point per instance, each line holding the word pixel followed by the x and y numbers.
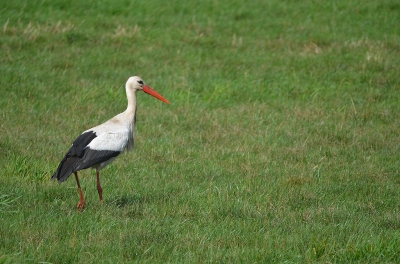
pixel 99 189
pixel 81 203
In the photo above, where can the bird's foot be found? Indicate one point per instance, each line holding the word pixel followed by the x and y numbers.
pixel 101 202
pixel 81 205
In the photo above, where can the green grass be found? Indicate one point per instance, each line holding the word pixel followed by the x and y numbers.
pixel 281 143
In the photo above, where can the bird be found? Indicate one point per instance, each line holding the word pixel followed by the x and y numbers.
pixel 98 146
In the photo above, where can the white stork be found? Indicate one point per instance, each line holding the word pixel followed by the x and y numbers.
pixel 99 146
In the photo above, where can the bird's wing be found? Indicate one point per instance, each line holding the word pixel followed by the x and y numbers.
pixel 71 159
pixel 92 147
pixel 104 146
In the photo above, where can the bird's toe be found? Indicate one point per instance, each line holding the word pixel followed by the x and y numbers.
pixel 81 205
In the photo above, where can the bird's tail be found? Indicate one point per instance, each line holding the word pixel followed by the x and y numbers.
pixel 65 169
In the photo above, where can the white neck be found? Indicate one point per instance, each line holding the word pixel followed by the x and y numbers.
pixel 130 115
pixel 131 109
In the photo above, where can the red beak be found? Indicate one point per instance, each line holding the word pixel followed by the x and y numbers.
pixel 147 89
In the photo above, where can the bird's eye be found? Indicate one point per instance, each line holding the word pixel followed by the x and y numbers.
pixel 140 82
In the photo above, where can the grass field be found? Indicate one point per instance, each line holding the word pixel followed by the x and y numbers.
pixel 281 143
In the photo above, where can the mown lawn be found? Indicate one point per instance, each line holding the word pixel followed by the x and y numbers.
pixel 281 143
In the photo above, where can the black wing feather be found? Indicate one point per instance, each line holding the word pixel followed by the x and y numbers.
pixel 81 143
pixel 93 157
pixel 71 159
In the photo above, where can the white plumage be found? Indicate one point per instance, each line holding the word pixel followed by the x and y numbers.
pixel 111 136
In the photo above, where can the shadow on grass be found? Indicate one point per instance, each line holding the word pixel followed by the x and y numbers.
pixel 128 200
pixel 138 199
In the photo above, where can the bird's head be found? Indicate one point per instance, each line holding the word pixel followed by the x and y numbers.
pixel 136 83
